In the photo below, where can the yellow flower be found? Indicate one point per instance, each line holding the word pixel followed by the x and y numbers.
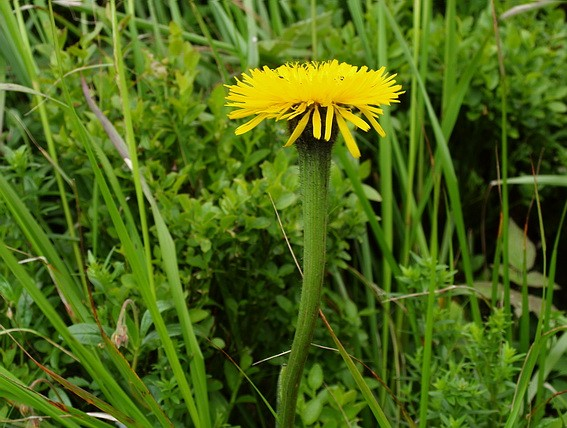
pixel 325 91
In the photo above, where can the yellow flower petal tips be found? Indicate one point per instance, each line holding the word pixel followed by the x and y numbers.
pixel 327 93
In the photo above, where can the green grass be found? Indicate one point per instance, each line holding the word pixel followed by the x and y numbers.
pixel 122 181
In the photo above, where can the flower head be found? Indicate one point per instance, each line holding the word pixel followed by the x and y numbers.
pixel 326 92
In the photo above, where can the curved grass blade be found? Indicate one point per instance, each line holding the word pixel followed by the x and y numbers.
pixel 14 390
pixel 169 258
pixel 362 386
pixel 89 360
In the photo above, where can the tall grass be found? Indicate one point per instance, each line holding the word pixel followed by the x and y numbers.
pixel 125 405
pixel 421 210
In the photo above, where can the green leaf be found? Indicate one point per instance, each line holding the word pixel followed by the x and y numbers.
pixel 218 342
pixel 257 222
pixel 285 200
pixel 86 333
pixel 147 321
pixel 518 244
pixel 371 193
pixel 557 107
pixel 312 411
pixel 256 157
pixel 24 310
pixel 232 376
pixel 533 279
pixel 315 377
pixel 284 303
pixel 7 291
pixel 154 339
pixel 364 170
pixel 552 423
pixel 198 315
pixel 19 88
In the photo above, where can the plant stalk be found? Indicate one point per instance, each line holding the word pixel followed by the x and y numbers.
pixel 314 170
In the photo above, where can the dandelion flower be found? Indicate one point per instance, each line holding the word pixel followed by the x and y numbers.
pixel 314 96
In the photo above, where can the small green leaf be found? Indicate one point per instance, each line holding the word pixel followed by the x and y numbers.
pixel 364 170
pixel 8 355
pixel 216 101
pixel 218 342
pixel 154 341
pixel 517 245
pixel 24 310
pixel 257 222
pixel 232 376
pixel 315 377
pixel 147 317
pixel 371 193
pixel 284 303
pixel 312 411
pixel 205 245
pixel 255 157
pixel 198 315
pixel 285 200
pixel 86 333
pixel 351 311
pixel 245 361
pixel 557 107
pixel 551 423
pixel 6 290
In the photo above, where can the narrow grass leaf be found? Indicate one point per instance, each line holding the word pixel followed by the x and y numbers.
pixel 253 56
pixel 353 176
pixel 42 246
pixel 79 392
pixel 450 56
pixel 541 180
pixel 26 52
pixel 359 380
pixel 169 258
pixel 552 358
pixel 24 89
pixel 14 390
pixel 11 47
pixel 355 8
pixel 447 167
pixel 89 360
pixel 524 380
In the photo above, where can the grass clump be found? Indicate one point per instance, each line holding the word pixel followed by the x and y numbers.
pixel 148 267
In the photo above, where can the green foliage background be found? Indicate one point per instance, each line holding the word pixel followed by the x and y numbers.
pixel 232 209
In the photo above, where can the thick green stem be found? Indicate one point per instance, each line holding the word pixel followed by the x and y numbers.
pixel 314 169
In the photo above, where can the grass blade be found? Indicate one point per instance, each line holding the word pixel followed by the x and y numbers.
pixel 12 389
pixel 169 258
pixel 362 386
pixel 125 410
pixel 447 166
pixel 42 246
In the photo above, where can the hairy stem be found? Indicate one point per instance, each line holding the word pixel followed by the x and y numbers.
pixel 314 169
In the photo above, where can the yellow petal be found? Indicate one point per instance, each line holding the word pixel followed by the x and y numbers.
pixel 374 110
pixel 300 109
pixel 329 122
pixel 283 110
pixel 251 124
pixel 348 115
pixel 373 122
pixel 316 123
pixel 298 129
pixel 239 114
pixel 349 140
